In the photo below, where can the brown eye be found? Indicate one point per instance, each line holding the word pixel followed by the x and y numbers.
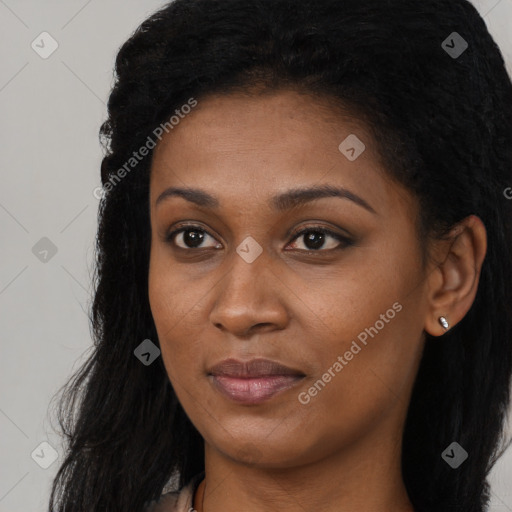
pixel 190 237
pixel 317 237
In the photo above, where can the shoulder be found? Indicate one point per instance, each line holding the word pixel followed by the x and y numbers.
pixel 177 501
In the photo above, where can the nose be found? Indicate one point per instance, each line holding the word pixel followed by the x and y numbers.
pixel 251 298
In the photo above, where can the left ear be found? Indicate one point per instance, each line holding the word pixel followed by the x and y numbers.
pixel 454 281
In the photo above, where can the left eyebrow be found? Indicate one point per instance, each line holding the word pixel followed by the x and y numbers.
pixel 299 196
pixel 284 201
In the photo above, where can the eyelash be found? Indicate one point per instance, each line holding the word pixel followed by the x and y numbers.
pixel 344 241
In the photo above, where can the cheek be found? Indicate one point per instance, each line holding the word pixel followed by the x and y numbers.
pixel 360 385
pixel 174 298
pixel 175 308
pixel 368 321
pixel 366 296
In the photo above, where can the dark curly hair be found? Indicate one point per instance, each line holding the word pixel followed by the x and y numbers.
pixel 443 125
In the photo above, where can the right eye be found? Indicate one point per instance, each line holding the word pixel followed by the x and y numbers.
pixel 189 237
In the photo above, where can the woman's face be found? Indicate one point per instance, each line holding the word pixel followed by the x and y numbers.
pixel 343 310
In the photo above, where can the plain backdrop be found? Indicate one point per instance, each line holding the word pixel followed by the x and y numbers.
pixel 51 111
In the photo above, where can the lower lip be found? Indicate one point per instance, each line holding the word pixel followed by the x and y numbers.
pixel 253 390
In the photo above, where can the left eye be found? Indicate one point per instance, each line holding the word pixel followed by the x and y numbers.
pixel 314 239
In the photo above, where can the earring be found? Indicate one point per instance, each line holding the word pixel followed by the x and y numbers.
pixel 444 322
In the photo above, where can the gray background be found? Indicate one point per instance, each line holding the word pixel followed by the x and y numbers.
pixel 51 111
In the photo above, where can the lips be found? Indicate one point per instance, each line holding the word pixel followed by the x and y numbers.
pixel 252 368
pixel 254 381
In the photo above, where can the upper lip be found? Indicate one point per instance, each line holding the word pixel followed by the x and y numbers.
pixel 254 368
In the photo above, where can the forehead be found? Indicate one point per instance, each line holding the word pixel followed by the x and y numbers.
pixel 247 145
pixel 277 120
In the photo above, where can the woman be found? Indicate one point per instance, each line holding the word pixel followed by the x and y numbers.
pixel 304 283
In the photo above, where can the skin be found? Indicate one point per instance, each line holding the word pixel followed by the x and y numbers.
pixel 341 451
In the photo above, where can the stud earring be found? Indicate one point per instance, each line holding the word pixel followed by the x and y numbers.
pixel 444 322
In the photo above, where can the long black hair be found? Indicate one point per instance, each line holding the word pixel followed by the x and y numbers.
pixel 441 115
